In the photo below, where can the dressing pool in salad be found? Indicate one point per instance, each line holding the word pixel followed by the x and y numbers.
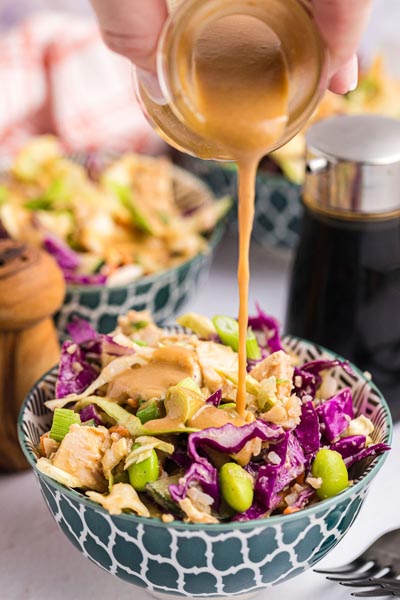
pixel 145 422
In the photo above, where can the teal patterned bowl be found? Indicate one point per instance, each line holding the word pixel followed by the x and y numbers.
pixel 278 206
pixel 163 293
pixel 171 560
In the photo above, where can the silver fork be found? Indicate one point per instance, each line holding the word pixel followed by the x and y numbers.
pixel 377 567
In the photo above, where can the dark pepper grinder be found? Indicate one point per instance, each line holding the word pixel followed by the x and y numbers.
pixel 345 281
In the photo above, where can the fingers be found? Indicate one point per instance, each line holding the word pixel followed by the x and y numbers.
pixel 342 23
pixel 346 79
pixel 132 27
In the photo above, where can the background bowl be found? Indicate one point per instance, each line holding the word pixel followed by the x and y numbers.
pixel 178 559
pixel 162 293
pixel 278 207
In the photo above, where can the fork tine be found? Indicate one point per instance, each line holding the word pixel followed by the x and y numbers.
pixel 361 583
pixel 375 593
pixel 359 576
pixel 348 568
pixel 386 580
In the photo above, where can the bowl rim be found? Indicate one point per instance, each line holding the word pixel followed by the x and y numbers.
pixel 362 482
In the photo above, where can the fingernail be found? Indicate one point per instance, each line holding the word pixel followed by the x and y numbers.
pixel 353 74
pixel 150 82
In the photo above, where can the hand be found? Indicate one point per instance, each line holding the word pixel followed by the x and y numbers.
pixel 132 28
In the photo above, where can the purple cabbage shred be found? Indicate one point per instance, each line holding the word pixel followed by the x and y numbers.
pixel 66 258
pixel 88 413
pixel 370 451
pixel 349 446
pixel 231 439
pixel 335 414
pixel 270 327
pixel 75 374
pixel 215 398
pixel 205 475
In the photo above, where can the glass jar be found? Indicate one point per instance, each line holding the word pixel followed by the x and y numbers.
pixel 345 281
pixel 175 114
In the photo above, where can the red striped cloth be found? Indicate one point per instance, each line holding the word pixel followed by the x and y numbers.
pixel 56 76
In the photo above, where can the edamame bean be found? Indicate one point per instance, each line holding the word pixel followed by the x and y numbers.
pixel 140 474
pixel 330 467
pixel 236 486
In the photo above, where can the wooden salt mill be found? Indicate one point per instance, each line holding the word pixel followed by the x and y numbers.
pixel 31 291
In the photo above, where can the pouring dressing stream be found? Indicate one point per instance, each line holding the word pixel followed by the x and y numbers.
pixel 241 88
pixel 240 78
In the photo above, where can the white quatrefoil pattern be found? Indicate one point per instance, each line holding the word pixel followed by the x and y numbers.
pixel 231 559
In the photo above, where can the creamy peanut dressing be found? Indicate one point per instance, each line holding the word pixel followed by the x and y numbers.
pixel 241 91
pixel 168 366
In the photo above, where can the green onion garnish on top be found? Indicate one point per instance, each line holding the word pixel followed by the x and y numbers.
pixel 149 413
pixel 228 331
pixel 252 348
pixel 62 420
pixel 190 384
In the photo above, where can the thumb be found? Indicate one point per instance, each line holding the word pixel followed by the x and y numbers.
pixel 342 23
pixel 132 28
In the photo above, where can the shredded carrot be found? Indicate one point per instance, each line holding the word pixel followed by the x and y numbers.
pixel 290 509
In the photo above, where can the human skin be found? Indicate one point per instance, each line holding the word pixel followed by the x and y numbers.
pixel 132 28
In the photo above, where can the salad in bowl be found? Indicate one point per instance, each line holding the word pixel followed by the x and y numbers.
pixel 145 422
pixel 106 222
pixel 150 472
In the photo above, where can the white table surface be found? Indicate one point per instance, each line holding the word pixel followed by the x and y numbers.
pixel 37 562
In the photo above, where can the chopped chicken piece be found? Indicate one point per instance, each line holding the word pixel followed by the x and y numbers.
pixel 140 326
pixel 361 425
pixel 287 413
pixel 122 497
pixel 278 365
pixel 80 454
pixel 47 445
pixel 193 515
pixel 113 456
pixel 250 449
pixel 213 355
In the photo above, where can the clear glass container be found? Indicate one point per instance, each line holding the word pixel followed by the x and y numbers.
pixel 175 114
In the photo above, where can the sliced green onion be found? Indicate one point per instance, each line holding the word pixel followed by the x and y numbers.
pixel 149 413
pixel 140 342
pixel 139 325
pixel 227 406
pixel 253 351
pixel 125 196
pixel 40 203
pixel 55 191
pixel 62 420
pixel 116 412
pixel 190 384
pixel 228 331
pixel 199 324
